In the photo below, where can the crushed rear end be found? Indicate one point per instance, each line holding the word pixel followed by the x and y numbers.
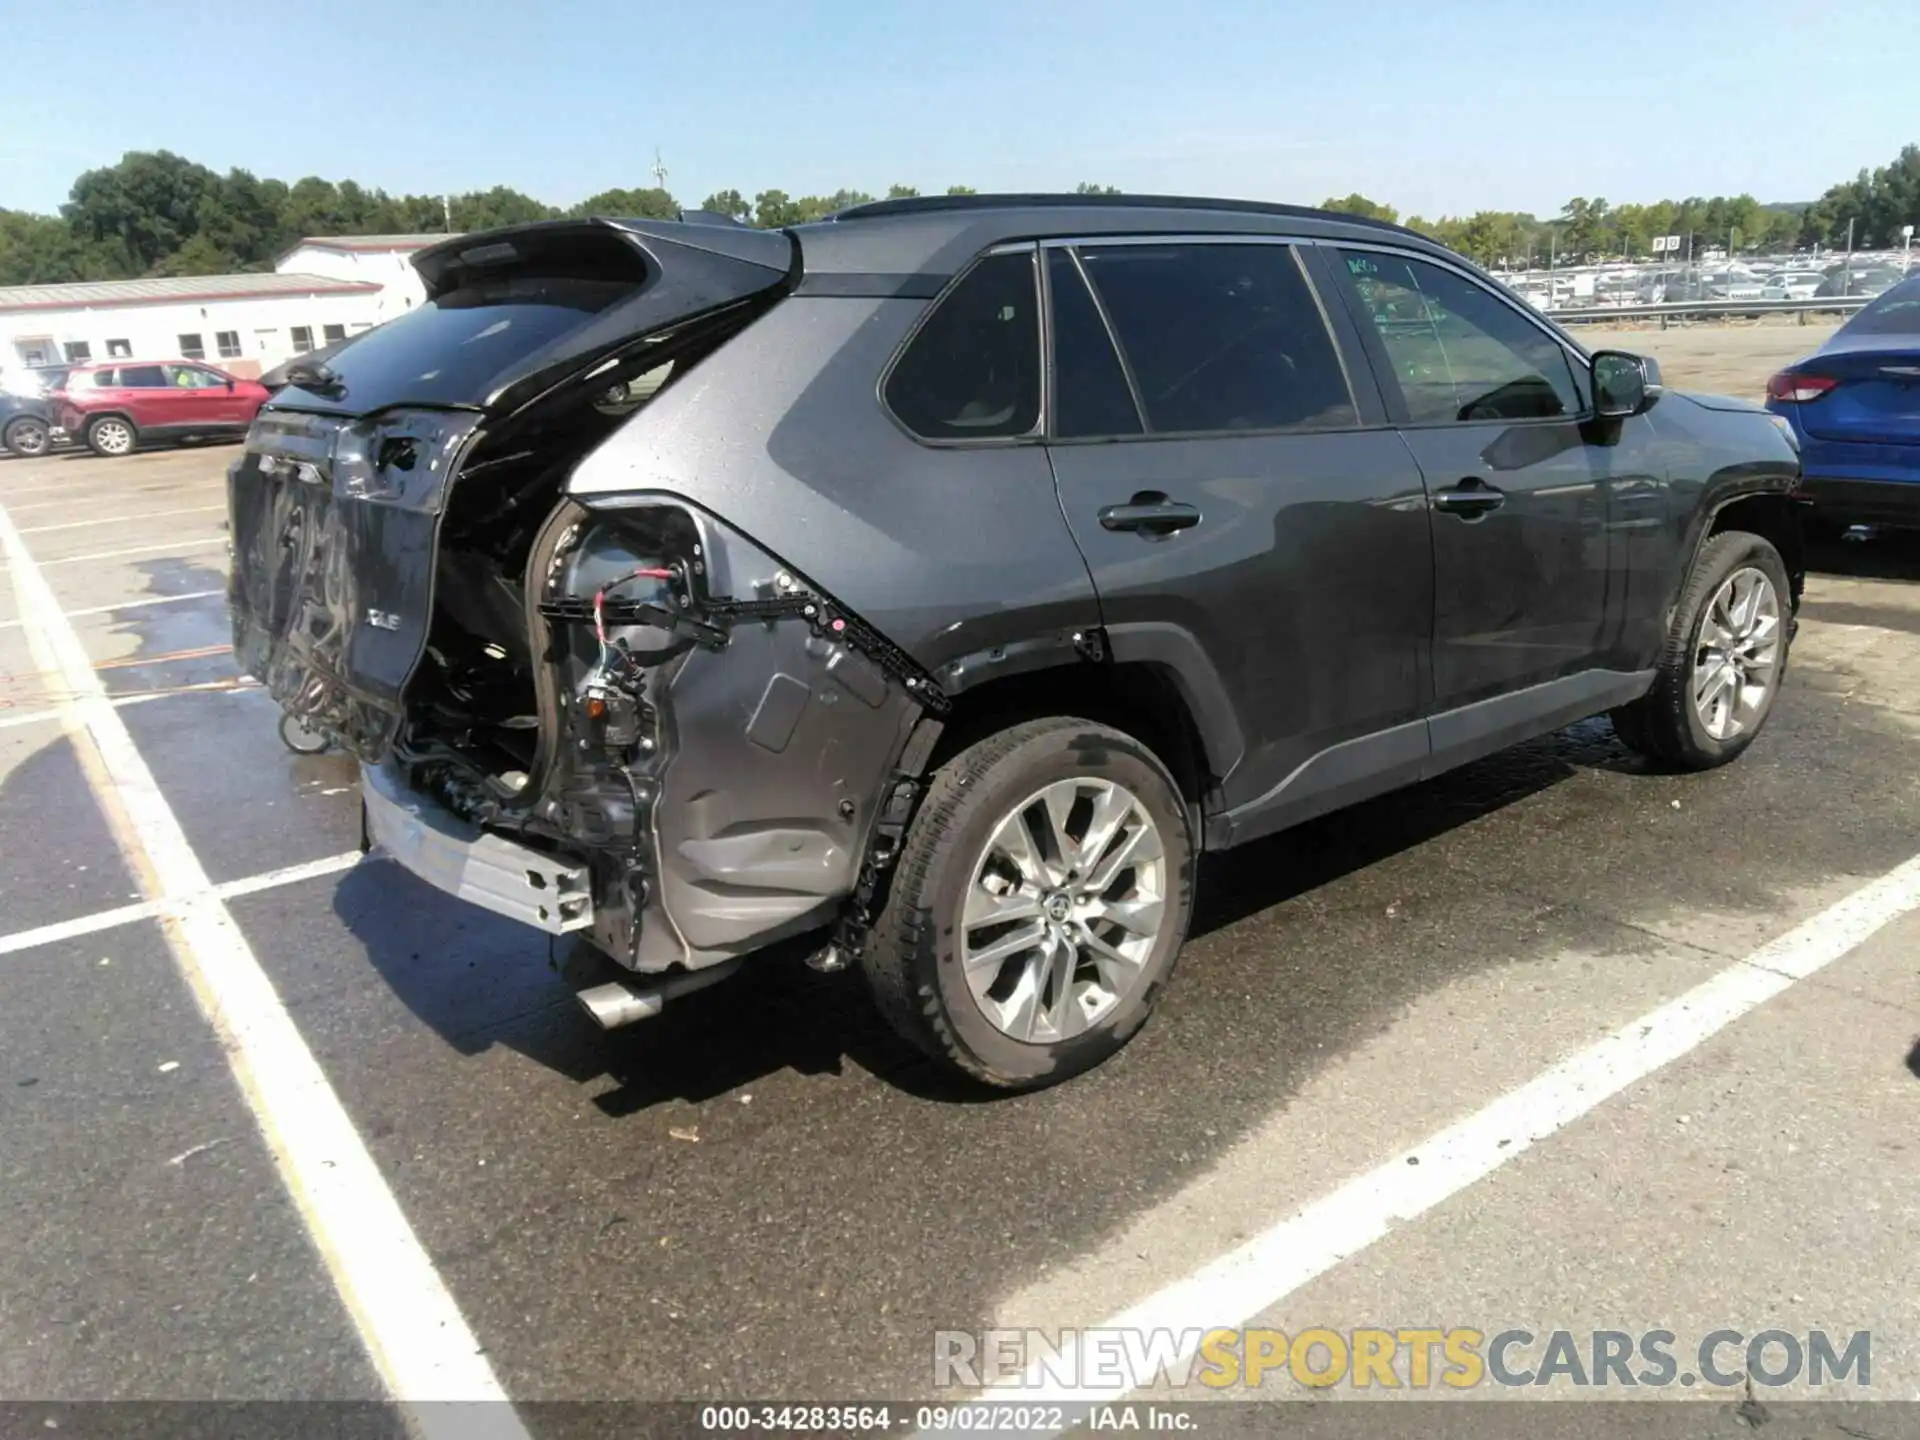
pixel 622 717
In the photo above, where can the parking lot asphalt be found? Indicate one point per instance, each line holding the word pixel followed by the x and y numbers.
pixel 762 1193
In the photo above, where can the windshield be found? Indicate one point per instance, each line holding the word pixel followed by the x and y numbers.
pixel 450 351
pixel 1895 313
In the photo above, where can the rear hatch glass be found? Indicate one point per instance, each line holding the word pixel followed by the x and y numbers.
pixel 335 505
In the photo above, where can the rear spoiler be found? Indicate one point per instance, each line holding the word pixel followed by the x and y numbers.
pixel 677 271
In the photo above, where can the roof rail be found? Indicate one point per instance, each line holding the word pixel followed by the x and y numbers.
pixel 937 204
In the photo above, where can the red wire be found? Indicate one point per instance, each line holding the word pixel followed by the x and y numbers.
pixel 600 595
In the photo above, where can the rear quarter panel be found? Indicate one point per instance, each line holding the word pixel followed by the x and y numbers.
pixel 947 551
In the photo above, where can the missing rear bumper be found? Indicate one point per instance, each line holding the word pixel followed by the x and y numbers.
pixel 465 861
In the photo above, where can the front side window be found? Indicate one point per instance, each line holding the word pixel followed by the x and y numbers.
pixel 302 337
pixel 972 370
pixel 1459 352
pixel 192 377
pixel 228 342
pixel 1221 337
pixel 193 347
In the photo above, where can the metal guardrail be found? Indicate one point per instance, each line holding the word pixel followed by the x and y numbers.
pixel 1706 309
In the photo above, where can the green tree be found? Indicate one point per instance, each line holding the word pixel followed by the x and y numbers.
pixel 199 256
pixel 961 190
pixel 903 192
pixel 1358 204
pixel 731 203
pixel 652 203
pixel 484 209
pixel 42 250
pixel 1588 226
pixel 132 214
pixel 1087 187
pixel 773 209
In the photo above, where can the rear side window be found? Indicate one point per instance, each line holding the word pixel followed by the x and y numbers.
pixel 972 370
pixel 142 377
pixel 1460 353
pixel 1090 392
pixel 1895 313
pixel 1221 337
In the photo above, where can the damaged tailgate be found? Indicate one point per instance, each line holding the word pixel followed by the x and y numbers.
pixel 336 504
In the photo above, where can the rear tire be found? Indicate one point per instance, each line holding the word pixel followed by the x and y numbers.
pixel 1061 832
pixel 111 436
pixel 1719 671
pixel 28 437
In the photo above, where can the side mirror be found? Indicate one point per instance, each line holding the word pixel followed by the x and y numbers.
pixel 1624 384
pixel 229 384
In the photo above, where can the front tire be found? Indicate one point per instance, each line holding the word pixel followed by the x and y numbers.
pixel 111 436
pixel 1720 669
pixel 28 438
pixel 1038 906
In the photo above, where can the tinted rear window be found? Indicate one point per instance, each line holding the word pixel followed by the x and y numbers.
pixel 1895 313
pixel 972 370
pixel 450 351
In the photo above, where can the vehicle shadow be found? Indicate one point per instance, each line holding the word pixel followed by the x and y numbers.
pixel 479 981
pixel 1882 555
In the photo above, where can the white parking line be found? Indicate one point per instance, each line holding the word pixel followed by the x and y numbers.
pixel 414 1332
pixel 121 519
pixel 120 605
pixel 56 713
pixel 1266 1269
pixel 149 909
pixel 205 544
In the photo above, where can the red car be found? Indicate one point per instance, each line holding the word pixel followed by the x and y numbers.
pixel 116 405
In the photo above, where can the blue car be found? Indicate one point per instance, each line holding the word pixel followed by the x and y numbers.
pixel 1854 405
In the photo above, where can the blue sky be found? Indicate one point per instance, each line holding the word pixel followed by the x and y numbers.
pixel 1435 106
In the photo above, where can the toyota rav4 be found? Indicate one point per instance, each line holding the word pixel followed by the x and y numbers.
pixel 942 579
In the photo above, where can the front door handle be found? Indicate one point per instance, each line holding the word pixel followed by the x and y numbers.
pixel 1150 515
pixel 1470 499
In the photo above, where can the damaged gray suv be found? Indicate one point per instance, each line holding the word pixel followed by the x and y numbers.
pixel 940 580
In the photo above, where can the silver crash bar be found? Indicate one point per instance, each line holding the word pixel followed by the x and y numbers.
pixel 470 863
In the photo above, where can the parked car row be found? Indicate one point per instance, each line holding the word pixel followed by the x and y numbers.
pixel 116 406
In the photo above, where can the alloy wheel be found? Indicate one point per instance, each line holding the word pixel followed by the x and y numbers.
pixel 115 437
pixel 28 438
pixel 1063 909
pixel 1736 660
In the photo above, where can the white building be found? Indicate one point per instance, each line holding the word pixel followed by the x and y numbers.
pixel 245 324
pixel 383 260
pixel 324 289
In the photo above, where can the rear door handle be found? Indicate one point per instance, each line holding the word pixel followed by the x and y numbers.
pixel 1150 517
pixel 1471 499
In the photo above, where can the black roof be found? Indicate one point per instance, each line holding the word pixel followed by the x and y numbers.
pixel 937 204
pixel 936 235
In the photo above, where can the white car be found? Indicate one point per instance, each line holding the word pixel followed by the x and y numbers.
pixel 1792 285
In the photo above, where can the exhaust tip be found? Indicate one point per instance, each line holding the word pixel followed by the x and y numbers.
pixel 614 1004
